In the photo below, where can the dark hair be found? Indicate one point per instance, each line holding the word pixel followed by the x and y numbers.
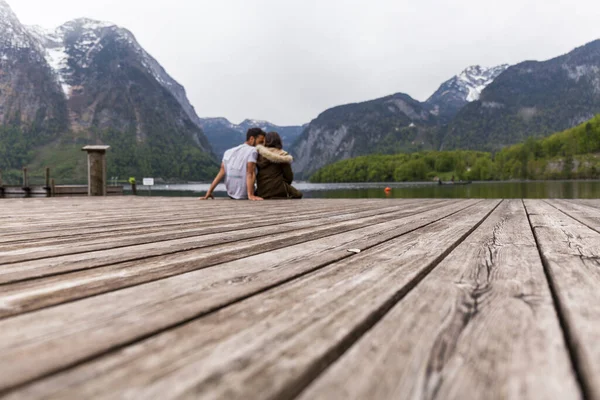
pixel 254 133
pixel 273 140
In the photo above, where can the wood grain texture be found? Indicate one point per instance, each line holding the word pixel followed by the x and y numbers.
pixel 103 271
pixel 53 220
pixel 444 300
pixel 588 202
pixel 587 215
pixel 174 239
pixel 482 325
pixel 269 345
pixel 231 221
pixel 73 332
pixel 45 220
pixel 571 253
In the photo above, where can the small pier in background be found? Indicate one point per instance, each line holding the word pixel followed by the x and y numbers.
pixel 97 183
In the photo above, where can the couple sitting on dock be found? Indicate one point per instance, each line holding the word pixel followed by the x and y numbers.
pixel 263 152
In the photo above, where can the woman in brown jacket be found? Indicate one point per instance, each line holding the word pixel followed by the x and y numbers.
pixel 275 176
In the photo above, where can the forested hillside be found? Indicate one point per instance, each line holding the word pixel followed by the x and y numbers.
pixel 572 154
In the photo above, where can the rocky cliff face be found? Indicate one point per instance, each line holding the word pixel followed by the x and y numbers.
pixel 28 95
pixel 390 124
pixel 110 81
pixel 91 82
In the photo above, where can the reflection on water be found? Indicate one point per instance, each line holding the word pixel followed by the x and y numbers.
pixel 486 190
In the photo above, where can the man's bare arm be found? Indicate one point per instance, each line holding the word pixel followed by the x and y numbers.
pixel 250 179
pixel 218 179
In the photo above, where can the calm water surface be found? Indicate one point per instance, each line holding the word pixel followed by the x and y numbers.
pixel 485 190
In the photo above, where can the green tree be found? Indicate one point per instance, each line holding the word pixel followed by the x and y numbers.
pixel 444 162
pixel 482 170
pixel 414 170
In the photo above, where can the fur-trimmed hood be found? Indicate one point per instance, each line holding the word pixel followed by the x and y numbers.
pixel 275 155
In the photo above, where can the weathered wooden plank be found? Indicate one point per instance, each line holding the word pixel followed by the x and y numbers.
pixel 585 214
pixel 270 344
pixel 142 208
pixel 119 205
pixel 588 202
pixel 81 329
pixel 129 214
pixel 482 325
pixel 571 255
pixel 32 250
pixel 55 221
pixel 46 220
pixel 144 259
pixel 34 294
pixel 77 229
pixel 70 227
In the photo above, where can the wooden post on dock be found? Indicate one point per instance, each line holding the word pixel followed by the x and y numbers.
pixel 52 189
pixel 1 186
pixel 47 183
pixel 25 187
pixel 96 170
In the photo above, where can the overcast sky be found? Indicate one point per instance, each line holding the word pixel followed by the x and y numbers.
pixel 288 60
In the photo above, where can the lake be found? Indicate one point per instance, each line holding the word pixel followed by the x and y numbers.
pixel 484 190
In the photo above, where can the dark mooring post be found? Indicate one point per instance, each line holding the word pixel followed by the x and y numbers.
pixel 26 188
pixel 1 185
pixel 47 187
pixel 96 170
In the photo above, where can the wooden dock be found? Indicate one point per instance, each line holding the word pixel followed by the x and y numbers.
pixel 49 189
pixel 160 298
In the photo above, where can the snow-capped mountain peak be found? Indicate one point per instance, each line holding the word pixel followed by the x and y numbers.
pixel 70 54
pixel 474 79
pixel 13 34
pixel 89 74
pixel 76 43
pixel 5 11
pixel 86 24
pixel 40 33
pixel 255 122
pixel 461 89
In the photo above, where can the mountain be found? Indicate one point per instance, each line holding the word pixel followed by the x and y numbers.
pixel 221 134
pixel 390 124
pixel 530 99
pixel 395 123
pixel 461 89
pixel 90 82
pixel 28 94
pixel 289 134
pixel 479 109
pixel 224 135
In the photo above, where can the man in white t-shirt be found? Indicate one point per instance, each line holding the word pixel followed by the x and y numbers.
pixel 239 168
